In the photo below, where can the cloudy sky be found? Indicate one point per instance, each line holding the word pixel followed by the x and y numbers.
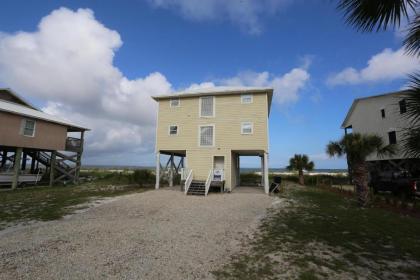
pixel 98 62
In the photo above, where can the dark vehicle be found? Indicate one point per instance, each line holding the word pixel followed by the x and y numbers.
pixel 399 183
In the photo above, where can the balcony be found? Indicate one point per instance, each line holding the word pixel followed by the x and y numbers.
pixel 73 144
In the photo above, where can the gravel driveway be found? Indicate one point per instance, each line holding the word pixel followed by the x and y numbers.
pixel 153 235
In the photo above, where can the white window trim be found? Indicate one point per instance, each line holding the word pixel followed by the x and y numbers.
pixel 199 135
pixel 22 129
pixel 242 98
pixel 170 102
pixel 214 107
pixel 177 130
pixel 252 128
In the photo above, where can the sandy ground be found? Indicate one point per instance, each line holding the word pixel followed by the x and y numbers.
pixel 154 235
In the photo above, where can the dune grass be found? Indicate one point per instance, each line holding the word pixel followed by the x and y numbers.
pixel 315 234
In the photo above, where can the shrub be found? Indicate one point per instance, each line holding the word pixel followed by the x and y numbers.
pixel 142 177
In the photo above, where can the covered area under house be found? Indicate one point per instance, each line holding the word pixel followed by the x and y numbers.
pixel 172 167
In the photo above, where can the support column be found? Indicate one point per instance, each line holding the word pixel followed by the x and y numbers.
pixel 79 158
pixel 157 170
pixel 238 170
pixel 266 183
pixel 52 167
pixel 24 158
pixel 33 162
pixel 16 168
pixel 3 158
pixel 171 171
pixel 262 170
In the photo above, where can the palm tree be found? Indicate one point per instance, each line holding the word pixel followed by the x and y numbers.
pixel 370 15
pixel 300 163
pixel 357 147
pixel 411 136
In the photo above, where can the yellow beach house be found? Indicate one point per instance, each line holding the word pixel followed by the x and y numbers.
pixel 208 130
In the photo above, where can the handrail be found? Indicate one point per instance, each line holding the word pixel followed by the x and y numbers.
pixel 208 181
pixel 188 181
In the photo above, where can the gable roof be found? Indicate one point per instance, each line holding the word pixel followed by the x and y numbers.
pixel 357 100
pixel 7 92
pixel 17 109
pixel 222 90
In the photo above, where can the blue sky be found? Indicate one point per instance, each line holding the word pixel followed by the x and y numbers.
pixel 315 62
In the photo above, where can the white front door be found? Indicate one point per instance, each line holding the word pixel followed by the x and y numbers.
pixel 218 166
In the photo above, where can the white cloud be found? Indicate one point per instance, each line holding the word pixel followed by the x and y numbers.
pixel 387 65
pixel 286 87
pixel 69 60
pixel 244 13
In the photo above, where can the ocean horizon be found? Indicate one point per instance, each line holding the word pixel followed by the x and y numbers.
pixel 243 170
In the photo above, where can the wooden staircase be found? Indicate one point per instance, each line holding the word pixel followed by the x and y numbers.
pixel 197 188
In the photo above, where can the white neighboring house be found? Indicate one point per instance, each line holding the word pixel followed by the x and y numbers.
pixel 382 115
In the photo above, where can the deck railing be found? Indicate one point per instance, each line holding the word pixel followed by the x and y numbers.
pixel 188 181
pixel 73 144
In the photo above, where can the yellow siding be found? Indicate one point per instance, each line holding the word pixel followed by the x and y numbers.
pixel 229 113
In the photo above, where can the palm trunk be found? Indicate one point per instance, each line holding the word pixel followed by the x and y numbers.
pixel 360 180
pixel 301 178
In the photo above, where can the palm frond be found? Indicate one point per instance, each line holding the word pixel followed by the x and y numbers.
pixel 367 15
pixel 411 143
pixel 412 41
pixel 387 150
pixel 412 99
pixel 334 149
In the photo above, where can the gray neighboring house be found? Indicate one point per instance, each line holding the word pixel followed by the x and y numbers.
pixel 382 115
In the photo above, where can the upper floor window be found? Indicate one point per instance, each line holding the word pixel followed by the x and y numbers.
pixel 247 128
pixel 392 136
pixel 174 102
pixel 403 106
pixel 28 127
pixel 383 113
pixel 246 98
pixel 207 135
pixel 207 106
pixel 173 130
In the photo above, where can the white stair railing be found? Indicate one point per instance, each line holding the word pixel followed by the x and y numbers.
pixel 188 181
pixel 208 181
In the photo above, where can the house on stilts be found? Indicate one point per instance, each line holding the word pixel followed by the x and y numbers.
pixel 35 145
pixel 203 133
pixel 383 115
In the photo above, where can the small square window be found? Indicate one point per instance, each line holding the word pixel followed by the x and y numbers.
pixel 403 106
pixel 173 130
pixel 392 136
pixel 383 113
pixel 246 98
pixel 28 127
pixel 175 102
pixel 247 128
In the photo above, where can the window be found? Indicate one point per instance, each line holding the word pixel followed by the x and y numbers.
pixel 403 106
pixel 174 102
pixel 247 128
pixel 28 127
pixel 173 130
pixel 392 137
pixel 383 113
pixel 207 106
pixel 246 98
pixel 207 135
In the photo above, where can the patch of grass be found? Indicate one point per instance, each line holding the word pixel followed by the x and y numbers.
pixel 50 203
pixel 324 230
